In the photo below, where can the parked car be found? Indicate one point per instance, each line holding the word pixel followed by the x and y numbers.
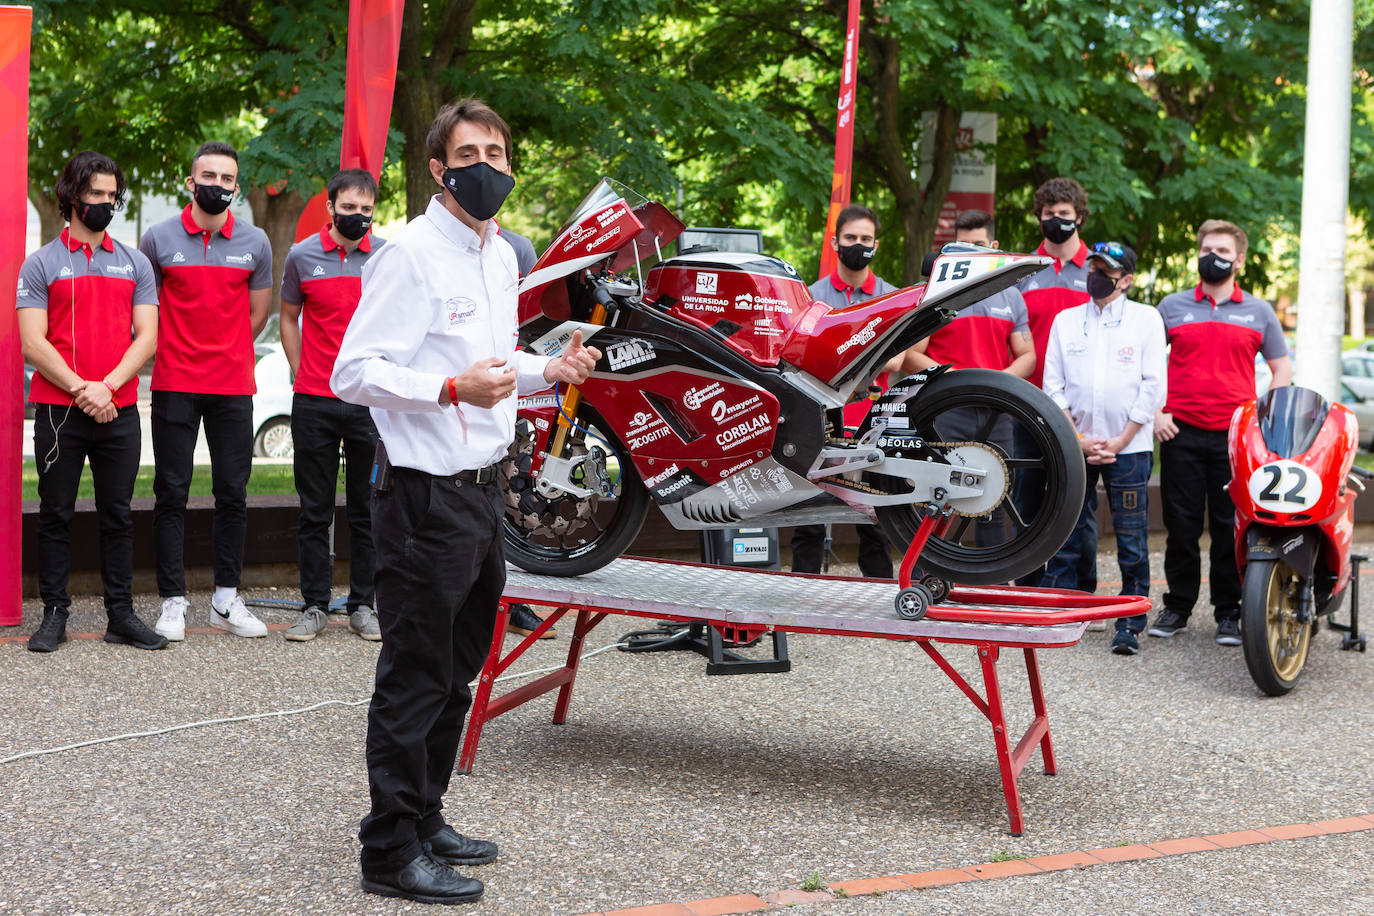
pixel 1363 408
pixel 272 403
pixel 1357 371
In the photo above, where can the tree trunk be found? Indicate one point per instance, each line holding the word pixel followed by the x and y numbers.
pixel 919 208
pixel 277 215
pixel 50 221
pixel 419 94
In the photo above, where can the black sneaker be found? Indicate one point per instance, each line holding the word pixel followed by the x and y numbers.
pixel 523 621
pixel 424 881
pixel 125 629
pixel 1228 631
pixel 1167 624
pixel 52 632
pixel 1125 643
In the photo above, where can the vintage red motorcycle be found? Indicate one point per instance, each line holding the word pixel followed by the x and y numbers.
pixel 717 397
pixel 1294 483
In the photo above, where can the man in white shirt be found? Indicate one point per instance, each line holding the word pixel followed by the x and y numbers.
pixel 1105 365
pixel 432 350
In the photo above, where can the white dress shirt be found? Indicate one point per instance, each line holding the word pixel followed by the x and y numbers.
pixel 435 300
pixel 1107 367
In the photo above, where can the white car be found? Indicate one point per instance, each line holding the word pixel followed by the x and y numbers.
pixel 272 403
pixel 1357 372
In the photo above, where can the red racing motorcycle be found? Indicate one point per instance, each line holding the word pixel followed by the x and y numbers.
pixel 1294 483
pixel 718 393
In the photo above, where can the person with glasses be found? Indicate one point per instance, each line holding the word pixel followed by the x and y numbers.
pixel 1215 331
pixel 1105 366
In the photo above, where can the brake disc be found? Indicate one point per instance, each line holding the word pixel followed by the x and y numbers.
pixel 985 458
pixel 557 516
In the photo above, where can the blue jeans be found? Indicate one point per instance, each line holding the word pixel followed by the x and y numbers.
pixel 1127 482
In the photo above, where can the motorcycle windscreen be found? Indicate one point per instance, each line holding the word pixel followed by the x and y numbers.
pixel 1290 418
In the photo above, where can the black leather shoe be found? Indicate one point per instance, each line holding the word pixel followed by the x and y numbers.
pixel 424 881
pixel 450 847
pixel 52 632
pixel 127 629
pixel 524 621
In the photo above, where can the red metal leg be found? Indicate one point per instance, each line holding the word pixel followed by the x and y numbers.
pixel 585 624
pixel 478 716
pixel 1041 715
pixel 913 551
pixel 987 658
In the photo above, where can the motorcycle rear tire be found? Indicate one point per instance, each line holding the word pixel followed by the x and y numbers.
pixel 1267 608
pixel 557 557
pixel 1065 476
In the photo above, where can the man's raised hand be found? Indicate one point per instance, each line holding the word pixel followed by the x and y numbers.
pixel 575 364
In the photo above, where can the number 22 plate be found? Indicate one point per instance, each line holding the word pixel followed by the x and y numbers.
pixel 1285 486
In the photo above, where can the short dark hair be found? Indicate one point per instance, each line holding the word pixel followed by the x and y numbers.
pixel 1060 191
pixel 451 115
pixel 75 180
pixel 853 212
pixel 355 179
pixel 975 219
pixel 214 148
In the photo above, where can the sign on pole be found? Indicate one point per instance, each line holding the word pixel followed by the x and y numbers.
pixel 973 185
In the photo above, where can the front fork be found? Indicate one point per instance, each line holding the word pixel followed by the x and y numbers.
pixel 567 408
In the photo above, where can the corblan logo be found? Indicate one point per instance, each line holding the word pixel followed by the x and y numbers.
pixel 863 336
pixel 741 431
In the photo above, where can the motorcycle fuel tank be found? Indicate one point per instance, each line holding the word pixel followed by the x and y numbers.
pixel 751 301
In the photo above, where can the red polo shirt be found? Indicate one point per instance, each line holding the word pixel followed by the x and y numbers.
pixel 90 297
pixel 205 333
pixel 325 280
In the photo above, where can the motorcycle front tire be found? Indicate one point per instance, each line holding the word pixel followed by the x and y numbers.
pixel 1268 607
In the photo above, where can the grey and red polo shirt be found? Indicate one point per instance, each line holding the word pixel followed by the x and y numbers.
pixel 979 337
pixel 325 280
pixel 1062 285
pixel 1212 349
pixel 90 297
pixel 838 294
pixel 205 332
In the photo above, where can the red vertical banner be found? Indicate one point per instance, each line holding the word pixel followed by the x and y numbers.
pixel 844 137
pixel 15 25
pixel 374 38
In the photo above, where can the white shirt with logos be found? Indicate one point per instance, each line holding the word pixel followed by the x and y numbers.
pixel 1107 367
pixel 435 300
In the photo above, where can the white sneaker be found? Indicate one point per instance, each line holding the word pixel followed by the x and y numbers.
pixel 172 622
pixel 237 619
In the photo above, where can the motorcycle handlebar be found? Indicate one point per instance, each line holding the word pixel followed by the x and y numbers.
pixel 1361 472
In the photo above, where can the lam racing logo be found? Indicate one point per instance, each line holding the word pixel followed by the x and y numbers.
pixel 629 353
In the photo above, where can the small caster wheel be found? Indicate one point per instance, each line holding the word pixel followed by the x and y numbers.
pixel 939 588
pixel 913 601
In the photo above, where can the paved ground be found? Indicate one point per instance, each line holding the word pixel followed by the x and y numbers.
pixel 666 785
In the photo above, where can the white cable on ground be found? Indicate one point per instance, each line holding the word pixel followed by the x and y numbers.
pixel 263 715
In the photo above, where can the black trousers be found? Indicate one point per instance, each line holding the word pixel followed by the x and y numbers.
pixel 64 438
pixel 318 426
pixel 808 545
pixel 1194 470
pixel 440 571
pixel 228 420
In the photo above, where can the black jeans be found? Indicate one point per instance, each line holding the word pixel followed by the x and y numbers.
pixel 318 425
pixel 1194 471
pixel 440 571
pixel 63 439
pixel 808 547
pixel 228 420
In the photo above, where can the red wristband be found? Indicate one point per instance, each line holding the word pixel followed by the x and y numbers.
pixel 114 399
pixel 452 390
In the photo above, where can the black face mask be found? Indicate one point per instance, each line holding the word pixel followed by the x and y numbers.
pixel 856 256
pixel 1213 269
pixel 1057 230
pixel 213 199
pixel 352 226
pixel 479 189
pixel 1100 286
pixel 95 217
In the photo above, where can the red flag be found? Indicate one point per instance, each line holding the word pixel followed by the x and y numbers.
pixel 374 38
pixel 15 26
pixel 844 138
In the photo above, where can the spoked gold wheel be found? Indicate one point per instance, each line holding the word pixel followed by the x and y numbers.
pixel 1275 641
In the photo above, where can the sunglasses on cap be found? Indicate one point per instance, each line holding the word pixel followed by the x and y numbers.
pixel 1111 249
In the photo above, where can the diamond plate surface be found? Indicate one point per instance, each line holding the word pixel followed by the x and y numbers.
pixel 733 595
